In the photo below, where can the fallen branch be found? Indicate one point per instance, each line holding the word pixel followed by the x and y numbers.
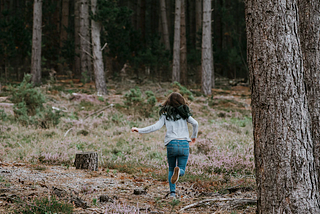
pixel 237 200
pixel 67 132
pixel 98 111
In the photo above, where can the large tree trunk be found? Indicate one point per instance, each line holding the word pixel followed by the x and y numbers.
pixel 309 31
pixel 36 42
pixel 183 45
pixel 98 68
pixel 176 44
pixel 284 158
pixel 64 22
pixel 77 62
pixel 85 49
pixel 206 56
pixel 165 24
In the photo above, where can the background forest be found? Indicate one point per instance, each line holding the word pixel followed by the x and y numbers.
pixel 132 32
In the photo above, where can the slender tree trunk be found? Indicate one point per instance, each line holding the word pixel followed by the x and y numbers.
pixel 191 27
pixel 85 50
pixel 206 56
pixel 165 24
pixel 36 42
pixel 64 22
pixel 183 45
pixel 284 158
pixel 98 68
pixel 309 31
pixel 176 45
pixel 143 20
pixel 198 15
pixel 77 62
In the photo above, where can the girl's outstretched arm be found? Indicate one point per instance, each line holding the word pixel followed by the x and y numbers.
pixel 151 128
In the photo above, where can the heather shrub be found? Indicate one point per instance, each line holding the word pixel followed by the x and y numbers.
pixel 29 108
pixel 44 205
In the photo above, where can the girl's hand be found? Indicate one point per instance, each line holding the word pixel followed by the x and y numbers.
pixel 193 141
pixel 134 129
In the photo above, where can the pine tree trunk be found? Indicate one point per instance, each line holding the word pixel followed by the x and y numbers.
pixel 98 67
pixel 85 50
pixel 284 158
pixel 77 62
pixel 198 15
pixel 176 45
pixel 309 31
pixel 190 16
pixel 183 45
pixel 143 21
pixel 36 42
pixel 64 22
pixel 165 25
pixel 206 56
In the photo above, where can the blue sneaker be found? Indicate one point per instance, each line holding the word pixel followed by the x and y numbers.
pixel 172 195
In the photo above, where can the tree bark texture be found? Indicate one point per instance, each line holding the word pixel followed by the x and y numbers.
pixel 198 14
pixel 206 56
pixel 36 42
pixel 176 43
pixel 86 160
pixel 284 159
pixel 183 44
pixel 143 20
pixel 309 31
pixel 164 24
pixel 64 22
pixel 85 49
pixel 198 22
pixel 77 62
pixel 98 67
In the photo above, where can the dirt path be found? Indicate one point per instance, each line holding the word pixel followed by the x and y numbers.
pixel 26 181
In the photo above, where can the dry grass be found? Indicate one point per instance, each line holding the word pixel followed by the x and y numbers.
pixel 222 157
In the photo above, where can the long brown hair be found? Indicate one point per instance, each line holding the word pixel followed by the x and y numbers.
pixel 175 107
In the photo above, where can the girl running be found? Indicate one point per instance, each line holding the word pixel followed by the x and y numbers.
pixel 175 114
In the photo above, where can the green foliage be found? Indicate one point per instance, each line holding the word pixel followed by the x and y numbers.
pixel 140 105
pixel 44 205
pixel 174 203
pixel 184 91
pixel 3 115
pixel 29 106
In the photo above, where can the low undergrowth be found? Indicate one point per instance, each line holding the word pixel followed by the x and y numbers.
pixel 224 145
pixel 40 205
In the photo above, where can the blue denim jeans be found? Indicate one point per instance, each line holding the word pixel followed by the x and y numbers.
pixel 177 154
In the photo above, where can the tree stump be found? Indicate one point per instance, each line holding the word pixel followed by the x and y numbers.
pixel 86 160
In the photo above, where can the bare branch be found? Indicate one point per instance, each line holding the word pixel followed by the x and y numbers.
pixel 104 46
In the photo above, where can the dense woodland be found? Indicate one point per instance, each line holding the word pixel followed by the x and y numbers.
pixel 274 43
pixel 136 35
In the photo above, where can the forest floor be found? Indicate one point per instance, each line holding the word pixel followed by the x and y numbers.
pixel 112 190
